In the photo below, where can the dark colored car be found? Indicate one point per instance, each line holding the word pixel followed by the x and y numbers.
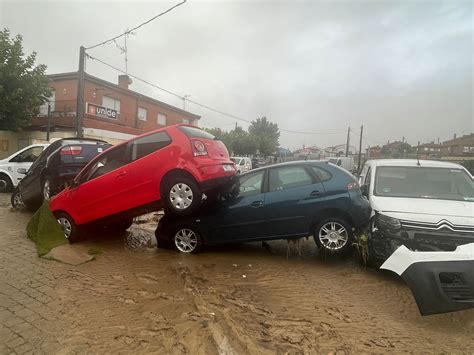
pixel 56 167
pixel 283 201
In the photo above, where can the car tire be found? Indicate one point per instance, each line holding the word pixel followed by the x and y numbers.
pixel 181 195
pixel 6 184
pixel 187 240
pixel 163 243
pixel 47 188
pixel 71 232
pixel 16 200
pixel 333 235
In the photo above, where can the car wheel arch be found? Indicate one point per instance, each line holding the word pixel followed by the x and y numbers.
pixel 6 175
pixel 55 213
pixel 333 212
pixel 174 173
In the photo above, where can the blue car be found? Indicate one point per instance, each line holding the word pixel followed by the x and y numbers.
pixel 283 201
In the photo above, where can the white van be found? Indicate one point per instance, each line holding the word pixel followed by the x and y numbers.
pixel 429 204
pixel 9 175
pixel 243 164
pixel 422 228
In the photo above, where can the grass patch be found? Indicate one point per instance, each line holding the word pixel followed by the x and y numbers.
pixel 45 231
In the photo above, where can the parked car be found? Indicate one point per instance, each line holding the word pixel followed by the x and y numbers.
pixel 56 166
pixel 423 204
pixel 283 201
pixel 9 175
pixel 422 228
pixel 172 167
pixel 242 164
pixel 258 163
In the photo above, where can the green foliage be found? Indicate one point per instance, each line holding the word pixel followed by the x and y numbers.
pixel 262 137
pixel 267 135
pixel 45 231
pixel 23 86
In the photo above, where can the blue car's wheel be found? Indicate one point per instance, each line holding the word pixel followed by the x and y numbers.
pixel 187 240
pixel 333 235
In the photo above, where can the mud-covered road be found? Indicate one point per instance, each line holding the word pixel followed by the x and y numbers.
pixel 237 300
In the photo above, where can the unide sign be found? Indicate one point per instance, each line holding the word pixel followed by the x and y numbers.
pixel 101 111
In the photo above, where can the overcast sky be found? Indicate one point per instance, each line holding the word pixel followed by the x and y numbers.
pixel 400 68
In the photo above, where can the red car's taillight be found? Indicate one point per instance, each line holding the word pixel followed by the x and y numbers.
pixel 71 150
pixel 352 185
pixel 199 149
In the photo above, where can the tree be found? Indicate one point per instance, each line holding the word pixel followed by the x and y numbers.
pixel 242 142
pixel 23 85
pixel 266 134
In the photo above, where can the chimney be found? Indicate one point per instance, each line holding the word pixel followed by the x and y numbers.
pixel 123 81
pixel 454 137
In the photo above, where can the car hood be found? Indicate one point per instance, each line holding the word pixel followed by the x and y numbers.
pixel 425 210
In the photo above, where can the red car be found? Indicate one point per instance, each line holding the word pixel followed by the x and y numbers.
pixel 171 167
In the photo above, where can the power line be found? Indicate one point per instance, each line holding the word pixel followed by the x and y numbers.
pixel 366 138
pixel 203 105
pixel 137 27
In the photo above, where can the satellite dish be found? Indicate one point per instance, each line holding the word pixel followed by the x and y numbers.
pixel 130 81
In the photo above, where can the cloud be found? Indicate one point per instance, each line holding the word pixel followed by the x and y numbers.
pixel 400 68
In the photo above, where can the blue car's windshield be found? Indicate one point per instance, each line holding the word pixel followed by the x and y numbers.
pixel 423 182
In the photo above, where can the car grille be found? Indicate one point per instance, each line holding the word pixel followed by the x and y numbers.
pixel 441 226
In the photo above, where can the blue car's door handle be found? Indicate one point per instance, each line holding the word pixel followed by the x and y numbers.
pixel 256 204
pixel 315 193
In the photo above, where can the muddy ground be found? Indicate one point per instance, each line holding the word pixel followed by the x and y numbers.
pixel 238 299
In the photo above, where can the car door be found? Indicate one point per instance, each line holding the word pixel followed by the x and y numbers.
pixel 240 217
pixel 23 160
pixel 151 156
pixel 103 187
pixel 293 196
pixel 30 186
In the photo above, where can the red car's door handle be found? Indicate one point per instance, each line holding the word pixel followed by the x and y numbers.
pixel 256 204
pixel 121 174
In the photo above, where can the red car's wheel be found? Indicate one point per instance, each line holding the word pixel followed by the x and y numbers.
pixel 68 226
pixel 181 195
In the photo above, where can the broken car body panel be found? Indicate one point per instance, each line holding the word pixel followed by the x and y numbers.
pixel 441 281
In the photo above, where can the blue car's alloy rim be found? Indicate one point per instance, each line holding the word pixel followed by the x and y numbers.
pixel 333 236
pixel 186 240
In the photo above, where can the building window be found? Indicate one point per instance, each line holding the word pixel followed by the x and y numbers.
pixel 110 102
pixel 142 113
pixel 161 119
pixel 185 120
pixel 51 101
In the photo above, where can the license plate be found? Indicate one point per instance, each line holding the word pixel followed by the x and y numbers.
pixel 228 167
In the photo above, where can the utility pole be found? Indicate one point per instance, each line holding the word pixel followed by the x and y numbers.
pixel 360 150
pixel 348 140
pixel 48 129
pixel 80 92
pixel 184 101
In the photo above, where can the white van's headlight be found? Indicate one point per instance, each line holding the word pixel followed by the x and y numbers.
pixel 385 222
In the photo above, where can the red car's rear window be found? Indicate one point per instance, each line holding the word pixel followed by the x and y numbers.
pixel 193 132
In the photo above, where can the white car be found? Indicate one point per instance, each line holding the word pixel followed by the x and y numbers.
pixel 243 164
pixel 9 175
pixel 422 228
